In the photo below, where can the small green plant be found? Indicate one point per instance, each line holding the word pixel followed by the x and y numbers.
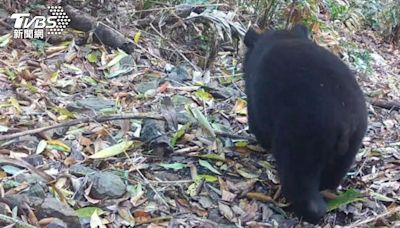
pixel 382 16
pixel 338 10
pixel 360 58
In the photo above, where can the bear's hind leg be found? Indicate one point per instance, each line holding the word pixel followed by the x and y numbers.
pixel 300 176
pixel 337 168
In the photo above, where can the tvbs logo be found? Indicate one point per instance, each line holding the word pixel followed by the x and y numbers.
pixel 39 22
pixel 29 28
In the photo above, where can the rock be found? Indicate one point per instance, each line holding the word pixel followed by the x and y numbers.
pixel 76 155
pixel 28 141
pixel 34 159
pixel 37 189
pixel 142 87
pixel 29 178
pixel 106 185
pixel 178 75
pixel 51 207
pixel 20 200
pixel 95 103
pixel 81 170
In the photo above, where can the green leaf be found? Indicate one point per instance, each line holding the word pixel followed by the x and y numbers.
pixel 89 80
pixel 92 57
pixel 10 169
pixel 86 212
pixel 58 145
pixel 202 120
pixel 28 86
pixel 241 144
pixel 11 74
pixel 64 112
pixel 247 174
pixel 203 95
pixel 207 165
pixel 212 157
pixel 121 54
pixel 95 220
pixel 344 198
pixel 39 45
pixel 207 178
pixel 175 166
pixel 381 197
pixel 5 105
pixel 119 72
pixel 73 68
pixel 4 40
pixel 136 38
pixel 196 2
pixel 192 189
pixel 54 76
pixel 266 165
pixel 7 184
pixel 74 131
pixel 136 191
pixel 113 150
pixel 147 4
pixel 41 146
pixel 181 132
pixel 15 103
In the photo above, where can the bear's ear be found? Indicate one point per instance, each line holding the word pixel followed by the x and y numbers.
pixel 300 30
pixel 251 37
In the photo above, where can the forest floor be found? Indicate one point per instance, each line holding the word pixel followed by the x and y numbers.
pixel 159 137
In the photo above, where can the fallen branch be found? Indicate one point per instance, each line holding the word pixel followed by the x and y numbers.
pixel 391 105
pixel 26 165
pixel 110 118
pixel 79 121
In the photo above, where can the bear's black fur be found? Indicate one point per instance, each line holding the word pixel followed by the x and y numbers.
pixel 306 105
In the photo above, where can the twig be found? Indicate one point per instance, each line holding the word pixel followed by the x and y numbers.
pixel 173 7
pixel 391 105
pixel 359 223
pixel 187 150
pixel 26 165
pixel 233 136
pixel 148 182
pixel 158 219
pixel 174 182
pixel 152 188
pixel 18 222
pixel 148 52
pixel 175 48
pixel 79 121
pixel 110 118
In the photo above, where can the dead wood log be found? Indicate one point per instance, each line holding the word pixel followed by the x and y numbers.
pixel 104 33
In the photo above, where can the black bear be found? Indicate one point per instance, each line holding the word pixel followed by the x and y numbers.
pixel 305 104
